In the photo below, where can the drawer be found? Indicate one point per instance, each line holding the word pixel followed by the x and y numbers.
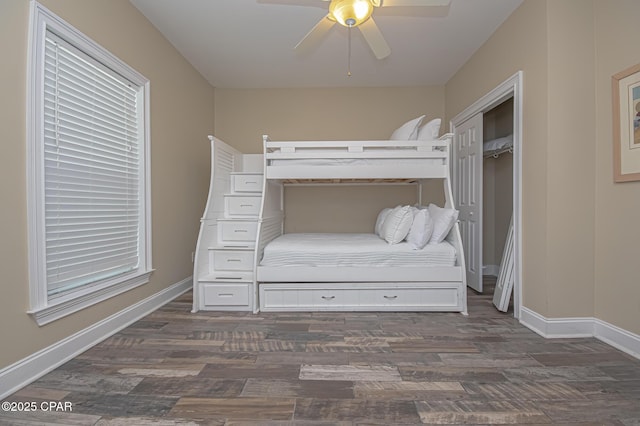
pixel 232 260
pixel 237 231
pixel 242 205
pixel 227 294
pixel 307 298
pixel 246 182
pixel 427 296
pixel 227 276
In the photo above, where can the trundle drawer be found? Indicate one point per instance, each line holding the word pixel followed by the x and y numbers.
pixel 408 297
pixel 242 205
pixel 233 260
pixel 227 295
pixel 240 231
pixel 360 297
pixel 246 183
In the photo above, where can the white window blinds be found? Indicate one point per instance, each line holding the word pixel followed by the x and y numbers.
pixel 92 166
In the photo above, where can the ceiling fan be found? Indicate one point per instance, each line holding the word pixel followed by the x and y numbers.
pixel 357 13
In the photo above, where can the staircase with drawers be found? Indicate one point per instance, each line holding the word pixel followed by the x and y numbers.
pixel 224 270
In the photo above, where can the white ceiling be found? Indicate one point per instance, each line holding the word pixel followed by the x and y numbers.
pixel 249 43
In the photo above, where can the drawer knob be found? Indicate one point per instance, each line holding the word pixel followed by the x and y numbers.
pixel 390 297
pixel 328 297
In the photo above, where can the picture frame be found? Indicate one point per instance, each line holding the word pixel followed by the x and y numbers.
pixel 625 90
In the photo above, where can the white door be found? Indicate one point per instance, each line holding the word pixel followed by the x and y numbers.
pixel 467 184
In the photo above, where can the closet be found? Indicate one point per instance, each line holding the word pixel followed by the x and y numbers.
pixel 487 189
pixel 483 188
pixel 497 184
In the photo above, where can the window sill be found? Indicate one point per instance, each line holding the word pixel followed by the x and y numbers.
pixel 62 308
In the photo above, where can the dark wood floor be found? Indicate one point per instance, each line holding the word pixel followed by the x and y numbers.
pixel 215 368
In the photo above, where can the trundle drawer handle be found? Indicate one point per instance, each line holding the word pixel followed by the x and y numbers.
pixel 246 205
pixel 328 297
pixel 390 297
pixel 251 182
pixel 240 230
pixel 234 260
pixel 229 278
pixel 225 294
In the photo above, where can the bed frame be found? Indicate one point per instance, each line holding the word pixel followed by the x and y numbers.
pixel 302 288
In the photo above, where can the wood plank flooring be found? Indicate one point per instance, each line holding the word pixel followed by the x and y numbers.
pixel 219 368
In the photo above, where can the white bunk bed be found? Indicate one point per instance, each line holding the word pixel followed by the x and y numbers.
pixel 327 286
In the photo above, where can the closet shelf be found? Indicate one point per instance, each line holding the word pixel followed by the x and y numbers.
pixel 496 153
pixel 495 147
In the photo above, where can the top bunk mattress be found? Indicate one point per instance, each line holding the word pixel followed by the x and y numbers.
pixel 339 250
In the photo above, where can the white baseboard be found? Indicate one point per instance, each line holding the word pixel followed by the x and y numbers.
pixel 556 328
pixel 618 337
pixel 29 369
pixel 492 270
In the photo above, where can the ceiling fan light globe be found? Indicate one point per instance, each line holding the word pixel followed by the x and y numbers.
pixel 350 12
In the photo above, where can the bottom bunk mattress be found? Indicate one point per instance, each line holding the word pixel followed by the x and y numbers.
pixel 339 250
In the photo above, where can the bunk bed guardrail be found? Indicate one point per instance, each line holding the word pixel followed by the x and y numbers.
pixel 383 159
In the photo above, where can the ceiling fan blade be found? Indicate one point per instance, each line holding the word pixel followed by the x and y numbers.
pixel 316 34
pixel 374 37
pixel 393 3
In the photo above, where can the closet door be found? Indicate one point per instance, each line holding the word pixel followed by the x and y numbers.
pixel 467 184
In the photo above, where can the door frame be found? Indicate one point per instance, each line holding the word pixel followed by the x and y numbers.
pixel 510 88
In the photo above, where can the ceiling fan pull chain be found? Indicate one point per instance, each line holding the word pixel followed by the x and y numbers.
pixel 349 53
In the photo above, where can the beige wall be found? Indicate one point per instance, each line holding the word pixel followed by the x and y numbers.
pixel 578 244
pixel 488 213
pixel 497 195
pixel 341 209
pixel 519 44
pixel 570 183
pixel 243 116
pixel 497 204
pixel 498 121
pixel 617 273
pixel 182 106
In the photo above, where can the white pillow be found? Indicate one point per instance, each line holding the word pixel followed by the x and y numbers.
pixel 430 131
pixel 421 229
pixel 408 131
pixel 443 220
pixel 380 220
pixel 397 224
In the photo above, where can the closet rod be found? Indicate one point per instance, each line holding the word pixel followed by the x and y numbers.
pixel 497 153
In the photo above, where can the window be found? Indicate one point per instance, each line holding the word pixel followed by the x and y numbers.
pixel 88 185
